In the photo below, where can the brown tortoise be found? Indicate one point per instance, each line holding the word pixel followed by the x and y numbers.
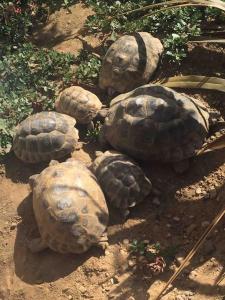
pixel 69 207
pixel 45 136
pixel 153 122
pixel 130 62
pixel 121 179
pixel 79 104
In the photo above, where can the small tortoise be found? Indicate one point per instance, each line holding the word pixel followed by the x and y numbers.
pixel 69 207
pixel 45 136
pixel 121 179
pixel 130 62
pixel 79 104
pixel 153 122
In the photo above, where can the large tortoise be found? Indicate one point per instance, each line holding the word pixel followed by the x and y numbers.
pixel 153 122
pixel 45 136
pixel 69 207
pixel 130 62
pixel 79 104
pixel 121 179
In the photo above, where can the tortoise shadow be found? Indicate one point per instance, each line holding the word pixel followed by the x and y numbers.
pixel 46 266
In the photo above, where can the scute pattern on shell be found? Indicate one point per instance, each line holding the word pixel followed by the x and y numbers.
pixel 130 62
pixel 69 207
pixel 79 104
pixel 121 179
pixel 45 136
pixel 153 122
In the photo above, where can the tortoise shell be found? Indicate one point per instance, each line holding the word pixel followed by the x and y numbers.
pixel 45 136
pixel 121 179
pixel 153 122
pixel 79 104
pixel 130 62
pixel 69 207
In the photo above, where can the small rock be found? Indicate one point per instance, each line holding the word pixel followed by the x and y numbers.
pixel 198 191
pixel 156 201
pixel 181 297
pixel 168 235
pixel 65 290
pixel 205 223
pixel 82 289
pixel 179 258
pixel 107 252
pixel 168 225
pixel 131 263
pixel 126 242
pixel 176 219
pixel 70 297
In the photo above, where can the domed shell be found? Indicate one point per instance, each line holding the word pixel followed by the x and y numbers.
pixel 69 207
pixel 45 136
pixel 79 104
pixel 153 122
pixel 121 179
pixel 130 62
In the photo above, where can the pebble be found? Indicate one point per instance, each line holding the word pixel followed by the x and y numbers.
pixel 168 235
pixel 126 242
pixel 198 191
pixel 168 225
pixel 70 297
pixel 131 263
pixel 179 258
pixel 82 289
pixel 156 201
pixel 205 223
pixel 176 219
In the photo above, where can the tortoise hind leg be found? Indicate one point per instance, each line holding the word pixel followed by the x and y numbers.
pixel 36 245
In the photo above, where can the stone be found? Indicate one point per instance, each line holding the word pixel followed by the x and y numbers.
pixel 176 219
pixel 198 191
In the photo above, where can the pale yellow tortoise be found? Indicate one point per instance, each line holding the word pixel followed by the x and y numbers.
pixel 69 207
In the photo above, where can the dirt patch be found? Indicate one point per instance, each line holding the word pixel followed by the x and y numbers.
pixel 185 205
pixel 65 31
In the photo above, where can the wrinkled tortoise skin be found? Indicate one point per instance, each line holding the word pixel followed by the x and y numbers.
pixel 45 136
pixel 79 104
pixel 69 207
pixel 153 122
pixel 121 179
pixel 130 62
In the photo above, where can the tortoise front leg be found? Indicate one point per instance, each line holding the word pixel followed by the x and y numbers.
pixel 36 245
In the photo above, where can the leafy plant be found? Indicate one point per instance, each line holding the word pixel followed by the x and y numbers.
pixel 174 26
pixel 89 66
pixel 152 251
pixel 93 134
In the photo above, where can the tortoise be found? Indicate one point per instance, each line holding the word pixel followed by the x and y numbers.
pixel 69 207
pixel 121 179
pixel 153 122
pixel 45 136
pixel 130 62
pixel 79 104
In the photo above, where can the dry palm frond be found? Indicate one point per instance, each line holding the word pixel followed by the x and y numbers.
pixel 218 143
pixel 178 3
pixel 208 40
pixel 194 81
